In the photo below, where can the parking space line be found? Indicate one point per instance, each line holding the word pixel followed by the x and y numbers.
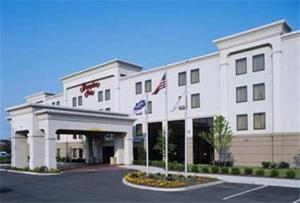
pixel 241 193
pixel 296 201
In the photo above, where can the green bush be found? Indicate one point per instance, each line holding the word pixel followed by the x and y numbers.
pixel 224 170
pixel 53 170
pixel 5 160
pixel 195 168
pixel 214 169
pixel 235 171
pixel 260 172
pixel 266 164
pixel 205 169
pixel 179 167
pixel 157 163
pixel 283 164
pixel 274 173
pixel 248 171
pixel 139 162
pixel 273 165
pixel 290 174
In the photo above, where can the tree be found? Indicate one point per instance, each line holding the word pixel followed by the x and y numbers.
pixel 160 146
pixel 219 136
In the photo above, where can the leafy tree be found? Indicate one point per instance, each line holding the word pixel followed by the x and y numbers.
pixel 219 136
pixel 160 146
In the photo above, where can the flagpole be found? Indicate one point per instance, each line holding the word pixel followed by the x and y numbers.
pixel 147 137
pixel 166 125
pixel 185 133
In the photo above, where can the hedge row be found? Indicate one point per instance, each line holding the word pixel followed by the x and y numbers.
pixel 218 170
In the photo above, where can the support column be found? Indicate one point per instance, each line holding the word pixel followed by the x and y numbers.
pixel 128 147
pixel 36 149
pixel 19 150
pixel 119 149
pixel 89 150
pixel 50 148
pixel 189 142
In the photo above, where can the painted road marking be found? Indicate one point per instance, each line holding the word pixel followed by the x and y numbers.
pixel 241 193
pixel 296 201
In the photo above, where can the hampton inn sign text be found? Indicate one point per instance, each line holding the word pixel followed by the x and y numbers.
pixel 87 88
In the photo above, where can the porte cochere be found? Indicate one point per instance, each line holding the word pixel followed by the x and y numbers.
pixel 34 128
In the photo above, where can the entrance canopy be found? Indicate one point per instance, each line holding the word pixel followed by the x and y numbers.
pixel 34 128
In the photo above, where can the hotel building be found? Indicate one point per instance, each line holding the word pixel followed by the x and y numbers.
pixel 253 80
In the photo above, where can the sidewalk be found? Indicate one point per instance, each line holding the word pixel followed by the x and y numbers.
pixel 229 178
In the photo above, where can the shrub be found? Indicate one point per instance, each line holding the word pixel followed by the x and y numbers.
pixel 157 163
pixel 214 169
pixel 235 171
pixel 248 171
pixel 224 170
pixel 195 168
pixel 283 164
pixel 36 169
pixel 290 174
pixel 260 172
pixel 274 173
pixel 179 167
pixel 139 162
pixel 205 169
pixel 273 165
pixel 266 164
pixel 53 170
pixel 223 163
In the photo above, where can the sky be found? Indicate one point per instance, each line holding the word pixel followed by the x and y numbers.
pixel 42 41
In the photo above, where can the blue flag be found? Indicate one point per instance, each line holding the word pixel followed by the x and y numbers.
pixel 139 105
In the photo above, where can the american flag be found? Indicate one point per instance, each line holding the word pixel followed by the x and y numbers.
pixel 161 85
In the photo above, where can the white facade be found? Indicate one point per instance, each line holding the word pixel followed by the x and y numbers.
pixel 217 86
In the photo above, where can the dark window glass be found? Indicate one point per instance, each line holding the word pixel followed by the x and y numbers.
pixel 148 86
pixel 195 76
pixel 195 100
pixel 80 101
pixel 241 66
pixel 258 62
pixel 259 92
pixel 74 102
pixel 181 78
pixel 100 96
pixel 138 88
pixel 107 95
pixel 259 121
pixel 241 94
pixel 242 122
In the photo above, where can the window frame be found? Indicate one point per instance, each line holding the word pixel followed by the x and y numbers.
pixel 107 95
pixel 80 100
pixel 236 68
pixel 236 93
pixel 198 80
pixel 180 73
pixel 141 88
pixel 237 127
pixel 264 62
pixel 150 89
pixel 256 85
pixel 195 107
pixel 149 104
pixel 259 113
pixel 74 101
pixel 100 96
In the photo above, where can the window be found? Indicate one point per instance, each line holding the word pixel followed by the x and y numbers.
pixel 242 122
pixel 122 75
pixel 241 66
pixel 80 152
pixel 195 100
pixel 58 152
pixel 149 107
pixel 58 136
pixel 80 101
pixel 241 94
pixel 138 88
pixel 107 109
pixel 74 153
pixel 258 92
pixel 148 86
pixel 53 103
pixel 74 103
pixel 139 130
pixel 107 95
pixel 258 62
pixel 74 136
pixel 259 121
pixel 181 78
pixel 194 76
pixel 57 103
pixel 100 96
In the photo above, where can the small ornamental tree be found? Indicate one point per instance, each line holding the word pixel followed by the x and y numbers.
pixel 219 136
pixel 160 146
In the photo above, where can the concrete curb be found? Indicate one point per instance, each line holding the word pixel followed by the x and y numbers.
pixel 32 173
pixel 181 189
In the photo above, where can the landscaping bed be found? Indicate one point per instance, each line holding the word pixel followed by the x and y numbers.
pixel 171 181
pixel 42 169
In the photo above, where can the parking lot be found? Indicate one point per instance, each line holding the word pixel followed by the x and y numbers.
pixel 106 186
